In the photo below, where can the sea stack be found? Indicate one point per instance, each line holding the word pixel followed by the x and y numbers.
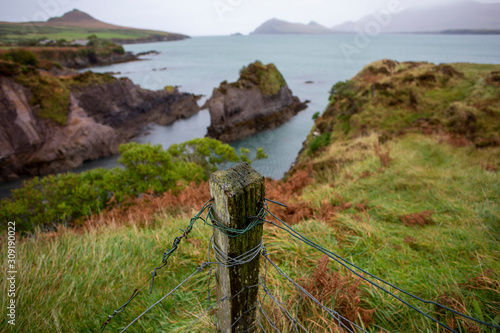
pixel 259 100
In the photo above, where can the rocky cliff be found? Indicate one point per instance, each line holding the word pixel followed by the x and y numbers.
pixel 259 100
pixel 83 56
pixel 50 124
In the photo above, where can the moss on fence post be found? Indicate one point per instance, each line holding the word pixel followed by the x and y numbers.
pixel 237 194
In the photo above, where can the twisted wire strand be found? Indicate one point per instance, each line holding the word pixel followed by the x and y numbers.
pixel 177 240
pixel 226 261
pixel 346 264
pixel 166 255
pixel 199 269
pixel 119 310
pixel 230 232
pixel 332 312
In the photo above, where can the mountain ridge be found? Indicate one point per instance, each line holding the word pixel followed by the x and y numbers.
pixel 79 18
pixel 459 18
pixel 465 15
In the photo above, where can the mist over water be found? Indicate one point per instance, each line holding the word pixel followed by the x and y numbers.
pixel 200 64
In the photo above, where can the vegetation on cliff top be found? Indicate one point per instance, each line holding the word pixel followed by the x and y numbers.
pixel 266 77
pixel 50 95
pixel 394 98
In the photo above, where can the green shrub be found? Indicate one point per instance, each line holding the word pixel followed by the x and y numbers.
pixel 208 153
pixel 322 140
pixel 8 68
pixel 266 77
pixel 99 42
pixel 343 89
pixel 50 93
pixel 316 115
pixel 150 167
pixel 52 200
pixel 22 57
pixel 119 49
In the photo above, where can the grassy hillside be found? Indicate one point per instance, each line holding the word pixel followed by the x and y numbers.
pixel 459 101
pixel 77 25
pixel 411 194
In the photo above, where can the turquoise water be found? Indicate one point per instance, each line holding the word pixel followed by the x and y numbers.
pixel 199 64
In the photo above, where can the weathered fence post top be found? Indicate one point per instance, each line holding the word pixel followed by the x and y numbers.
pixel 235 180
pixel 237 193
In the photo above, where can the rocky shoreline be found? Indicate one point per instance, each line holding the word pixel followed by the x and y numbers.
pixel 101 113
pixel 84 57
pixel 53 119
pixel 151 39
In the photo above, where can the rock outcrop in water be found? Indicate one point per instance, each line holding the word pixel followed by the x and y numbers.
pixel 259 100
pixel 50 124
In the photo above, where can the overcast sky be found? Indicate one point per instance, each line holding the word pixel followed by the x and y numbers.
pixel 204 17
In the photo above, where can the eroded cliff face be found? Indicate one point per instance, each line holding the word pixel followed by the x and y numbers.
pixel 83 56
pixel 127 108
pixel 259 100
pixel 101 115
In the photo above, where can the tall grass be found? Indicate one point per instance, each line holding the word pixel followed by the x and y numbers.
pixel 72 280
pixel 434 261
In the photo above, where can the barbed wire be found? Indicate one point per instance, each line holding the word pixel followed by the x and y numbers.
pixel 177 240
pixel 241 260
pixel 166 256
pixel 119 310
pixel 263 319
pixel 345 263
pixel 297 326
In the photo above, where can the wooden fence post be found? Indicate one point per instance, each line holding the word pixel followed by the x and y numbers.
pixel 237 193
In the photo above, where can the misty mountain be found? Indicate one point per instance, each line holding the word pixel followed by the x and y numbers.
pixel 77 18
pixel 275 26
pixel 466 15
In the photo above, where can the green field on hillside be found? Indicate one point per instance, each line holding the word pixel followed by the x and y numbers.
pixel 10 33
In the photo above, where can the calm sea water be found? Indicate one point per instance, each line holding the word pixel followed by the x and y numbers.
pixel 199 64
